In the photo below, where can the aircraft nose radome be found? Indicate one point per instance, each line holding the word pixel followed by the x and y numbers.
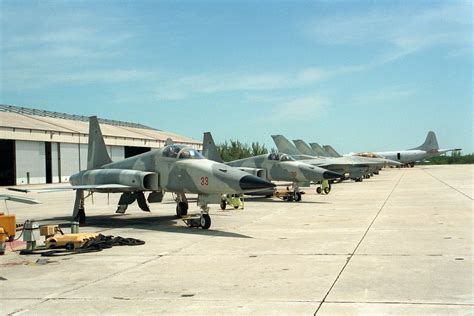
pixel 253 183
pixel 331 175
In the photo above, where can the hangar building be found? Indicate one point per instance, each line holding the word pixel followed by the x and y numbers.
pixel 39 146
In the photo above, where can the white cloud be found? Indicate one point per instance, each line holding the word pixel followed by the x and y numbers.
pixel 381 96
pixel 296 110
pixel 406 29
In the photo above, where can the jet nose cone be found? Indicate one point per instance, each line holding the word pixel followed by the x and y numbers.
pixel 253 183
pixel 331 175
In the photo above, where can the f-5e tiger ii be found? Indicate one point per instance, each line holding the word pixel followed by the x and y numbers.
pixel 174 168
pixel 274 167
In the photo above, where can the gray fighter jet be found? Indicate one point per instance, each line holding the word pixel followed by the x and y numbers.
pixel 274 167
pixel 350 168
pixel 376 163
pixel 174 168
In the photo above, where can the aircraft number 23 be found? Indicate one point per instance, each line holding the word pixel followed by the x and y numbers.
pixel 204 181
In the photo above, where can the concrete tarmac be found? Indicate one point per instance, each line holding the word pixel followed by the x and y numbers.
pixel 398 243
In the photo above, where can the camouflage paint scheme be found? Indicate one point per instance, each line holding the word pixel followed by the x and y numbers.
pixel 343 165
pixel 173 168
pixel 187 172
pixel 281 167
pixel 276 166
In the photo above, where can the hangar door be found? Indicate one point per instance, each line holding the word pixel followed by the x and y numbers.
pixel 133 151
pixel 7 162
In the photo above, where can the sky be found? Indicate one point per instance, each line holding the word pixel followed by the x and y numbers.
pixel 359 75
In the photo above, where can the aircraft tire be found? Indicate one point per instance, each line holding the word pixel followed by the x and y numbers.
pixel 297 196
pixel 223 205
pixel 327 190
pixel 318 190
pixel 181 209
pixel 205 221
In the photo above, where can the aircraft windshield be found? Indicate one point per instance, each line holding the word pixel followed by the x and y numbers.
pixel 273 157
pixel 189 153
pixel 171 151
pixel 280 157
pixel 286 158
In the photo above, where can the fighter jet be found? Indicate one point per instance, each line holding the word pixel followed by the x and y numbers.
pixel 429 148
pixel 376 163
pixel 174 168
pixel 350 168
pixel 274 167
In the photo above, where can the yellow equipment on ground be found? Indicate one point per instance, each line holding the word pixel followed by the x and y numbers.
pixel 3 237
pixel 69 241
pixel 8 223
pixel 324 188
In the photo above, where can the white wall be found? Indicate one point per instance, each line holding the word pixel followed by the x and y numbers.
pixel 30 158
pixel 83 152
pixel 116 153
pixel 69 160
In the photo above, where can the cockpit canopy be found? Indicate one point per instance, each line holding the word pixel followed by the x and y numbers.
pixel 368 155
pixel 181 152
pixel 280 157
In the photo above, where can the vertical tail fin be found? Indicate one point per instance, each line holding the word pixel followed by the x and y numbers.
pixel 331 151
pixel 209 148
pixel 430 144
pixel 319 150
pixel 97 155
pixel 284 145
pixel 304 148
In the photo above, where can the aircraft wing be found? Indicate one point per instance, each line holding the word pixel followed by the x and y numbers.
pixel 107 187
pixel 443 151
pixel 4 197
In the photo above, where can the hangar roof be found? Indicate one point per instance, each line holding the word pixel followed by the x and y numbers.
pixel 32 119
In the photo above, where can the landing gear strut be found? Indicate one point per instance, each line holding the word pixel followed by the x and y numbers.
pixel 182 205
pixel 79 213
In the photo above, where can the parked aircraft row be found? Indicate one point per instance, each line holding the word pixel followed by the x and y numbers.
pixel 182 170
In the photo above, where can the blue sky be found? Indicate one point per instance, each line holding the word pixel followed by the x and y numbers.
pixel 360 75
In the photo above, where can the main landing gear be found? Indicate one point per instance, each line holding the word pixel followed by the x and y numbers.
pixel 182 205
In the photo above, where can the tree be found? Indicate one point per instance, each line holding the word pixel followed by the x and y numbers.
pixel 234 149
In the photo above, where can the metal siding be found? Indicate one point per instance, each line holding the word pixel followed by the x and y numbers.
pixel 30 158
pixel 83 153
pixel 116 153
pixel 69 160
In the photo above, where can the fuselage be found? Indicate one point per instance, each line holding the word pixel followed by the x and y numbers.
pixel 281 167
pixel 181 170
pixel 406 156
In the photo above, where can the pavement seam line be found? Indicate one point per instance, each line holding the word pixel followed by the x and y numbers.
pixel 400 303
pixel 358 244
pixel 446 184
